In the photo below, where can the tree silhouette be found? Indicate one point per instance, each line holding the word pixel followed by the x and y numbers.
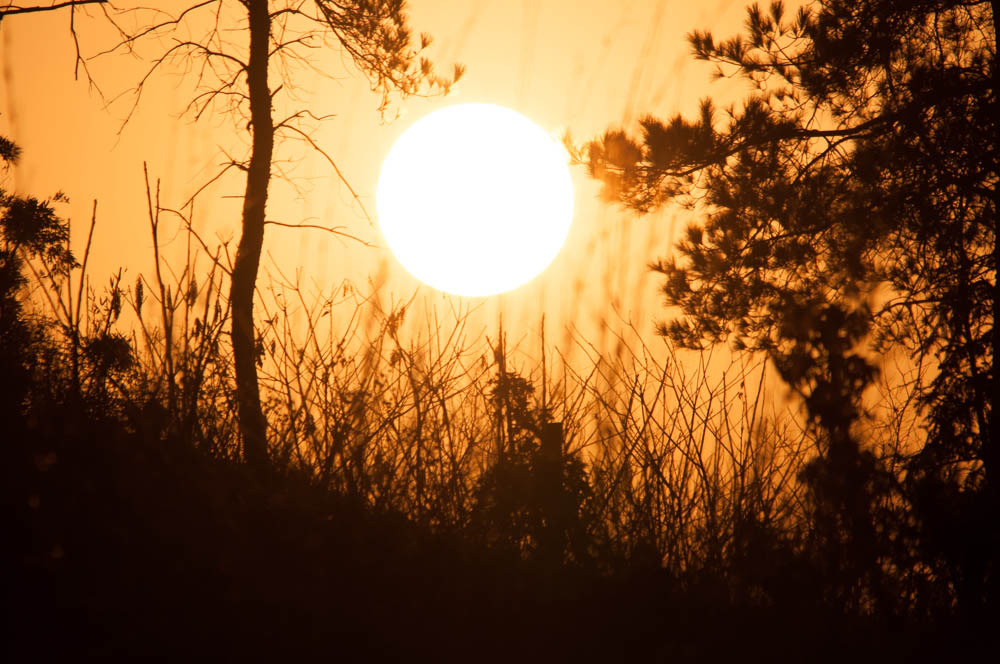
pixel 29 229
pixel 376 37
pixel 852 196
pixel 534 498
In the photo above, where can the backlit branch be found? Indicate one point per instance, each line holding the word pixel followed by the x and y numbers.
pixel 11 10
pixel 335 230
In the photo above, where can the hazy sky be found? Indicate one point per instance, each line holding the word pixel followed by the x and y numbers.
pixel 576 65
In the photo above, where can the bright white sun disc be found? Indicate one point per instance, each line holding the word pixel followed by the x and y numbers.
pixel 475 199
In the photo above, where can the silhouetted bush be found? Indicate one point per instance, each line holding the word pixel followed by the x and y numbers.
pixel 426 502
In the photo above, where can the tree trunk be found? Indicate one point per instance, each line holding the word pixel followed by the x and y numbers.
pixel 252 425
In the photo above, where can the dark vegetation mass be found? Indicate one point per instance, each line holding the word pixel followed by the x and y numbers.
pixel 418 500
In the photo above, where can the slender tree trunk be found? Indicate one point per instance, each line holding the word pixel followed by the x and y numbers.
pixel 252 425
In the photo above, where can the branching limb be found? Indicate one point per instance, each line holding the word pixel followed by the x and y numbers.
pixel 11 10
pixel 335 230
pixel 309 139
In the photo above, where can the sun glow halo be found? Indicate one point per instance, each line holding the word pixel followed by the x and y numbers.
pixel 475 199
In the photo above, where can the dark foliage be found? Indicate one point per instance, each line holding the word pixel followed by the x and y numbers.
pixel 134 528
pixel 127 535
pixel 849 209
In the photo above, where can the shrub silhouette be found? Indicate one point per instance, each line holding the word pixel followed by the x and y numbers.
pixel 423 502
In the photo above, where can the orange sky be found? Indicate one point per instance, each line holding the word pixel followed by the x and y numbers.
pixel 577 65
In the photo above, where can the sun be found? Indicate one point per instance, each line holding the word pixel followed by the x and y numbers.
pixel 475 199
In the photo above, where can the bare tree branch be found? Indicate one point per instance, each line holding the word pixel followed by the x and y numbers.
pixel 11 10
pixel 335 230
